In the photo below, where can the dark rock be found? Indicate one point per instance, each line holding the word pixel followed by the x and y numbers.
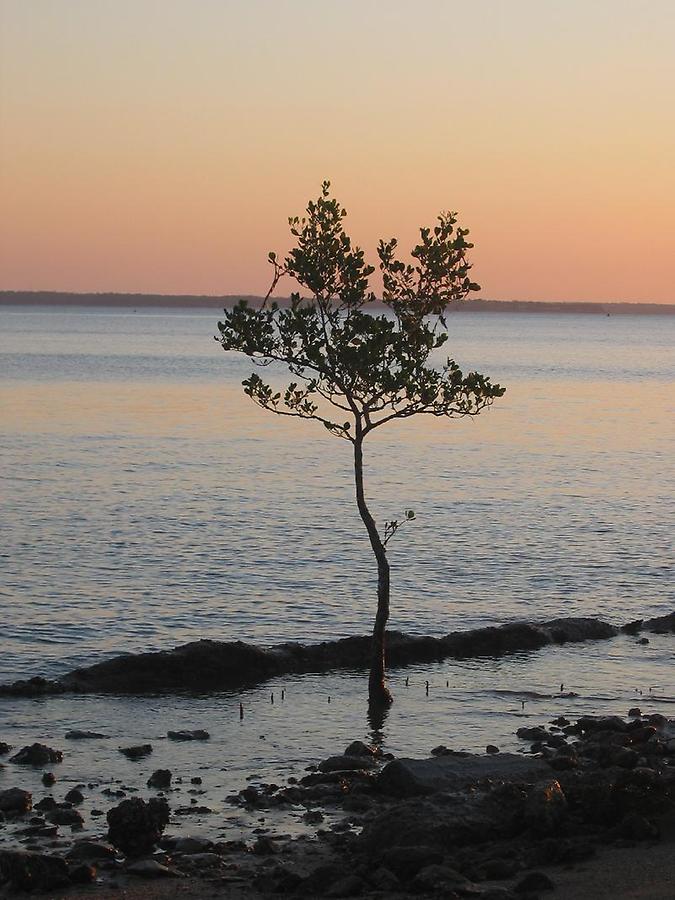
pixel 632 627
pixel 46 803
pixel 76 735
pixel 82 874
pixel 661 624
pixel 74 796
pixel 264 846
pixel 37 755
pixel 216 665
pixel 592 724
pixel 151 869
pixel 160 779
pixel 196 780
pixel 406 862
pixel 347 763
pixel 32 871
pixel 636 828
pixel 347 886
pixel 358 748
pixel 545 808
pixel 195 735
pixel 48 779
pixel 91 850
pixel 137 752
pixel 60 816
pixel 417 777
pixel 4 748
pixel 439 878
pixel 491 748
pixel 15 800
pixel 192 845
pixel 534 882
pixel 635 711
pixel 535 733
pixel 136 826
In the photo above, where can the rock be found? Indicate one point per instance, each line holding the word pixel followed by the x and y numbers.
pixel 439 878
pixel 60 816
pixel 536 733
pixel 347 886
pixel 82 874
pixel 137 752
pixel 196 735
pixel 150 868
pixel 533 882
pixel 264 846
pixel 491 749
pixel 4 748
pixel 76 735
pixel 91 850
pixel 16 800
pixel 661 624
pixel 136 826
pixel 634 827
pixel 48 779
pixel 635 711
pixel 160 779
pixel 347 764
pixel 46 803
pixel 74 796
pixel 217 665
pixel 592 724
pixel 196 780
pixel 37 755
pixel 25 871
pixel 384 880
pixel 193 845
pixel 406 862
pixel 201 860
pixel 313 817
pixel 417 777
pixel 358 748
pixel 545 808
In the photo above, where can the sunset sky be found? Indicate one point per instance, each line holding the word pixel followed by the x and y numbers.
pixel 160 145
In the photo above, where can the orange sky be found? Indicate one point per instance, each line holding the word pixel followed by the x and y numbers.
pixel 159 145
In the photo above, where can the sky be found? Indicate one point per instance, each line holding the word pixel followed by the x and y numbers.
pixel 159 146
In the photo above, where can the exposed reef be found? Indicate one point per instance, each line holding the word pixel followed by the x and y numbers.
pixel 219 665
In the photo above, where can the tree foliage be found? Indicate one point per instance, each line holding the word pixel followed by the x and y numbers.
pixel 355 370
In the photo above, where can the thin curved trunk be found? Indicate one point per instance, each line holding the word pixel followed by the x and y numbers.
pixel 377 689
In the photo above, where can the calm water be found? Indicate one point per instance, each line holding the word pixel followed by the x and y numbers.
pixel 146 502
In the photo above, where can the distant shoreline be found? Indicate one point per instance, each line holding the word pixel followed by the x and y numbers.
pixel 204 301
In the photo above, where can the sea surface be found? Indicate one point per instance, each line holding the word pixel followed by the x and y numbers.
pixel 147 502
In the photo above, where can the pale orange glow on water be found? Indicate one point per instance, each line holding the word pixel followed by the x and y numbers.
pixel 160 147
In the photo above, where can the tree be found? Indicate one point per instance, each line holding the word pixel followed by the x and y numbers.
pixel 357 370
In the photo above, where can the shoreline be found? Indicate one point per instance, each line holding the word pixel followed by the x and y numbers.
pixel 186 302
pixel 496 825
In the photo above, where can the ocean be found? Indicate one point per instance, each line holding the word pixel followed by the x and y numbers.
pixel 147 502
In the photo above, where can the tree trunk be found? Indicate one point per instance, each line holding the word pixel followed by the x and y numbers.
pixel 378 694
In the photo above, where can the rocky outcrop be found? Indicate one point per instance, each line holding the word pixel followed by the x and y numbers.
pixel 135 826
pixel 218 665
pixel 23 871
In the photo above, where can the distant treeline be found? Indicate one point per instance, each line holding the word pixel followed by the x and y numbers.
pixel 204 301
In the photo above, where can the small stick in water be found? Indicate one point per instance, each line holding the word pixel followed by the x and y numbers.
pixel 283 696
pixel 241 710
pixel 272 698
pixel 427 688
pixel 522 704
pixel 406 681
pixel 562 688
pixel 329 698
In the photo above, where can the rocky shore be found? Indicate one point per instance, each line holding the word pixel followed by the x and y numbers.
pixel 498 826
pixel 218 665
